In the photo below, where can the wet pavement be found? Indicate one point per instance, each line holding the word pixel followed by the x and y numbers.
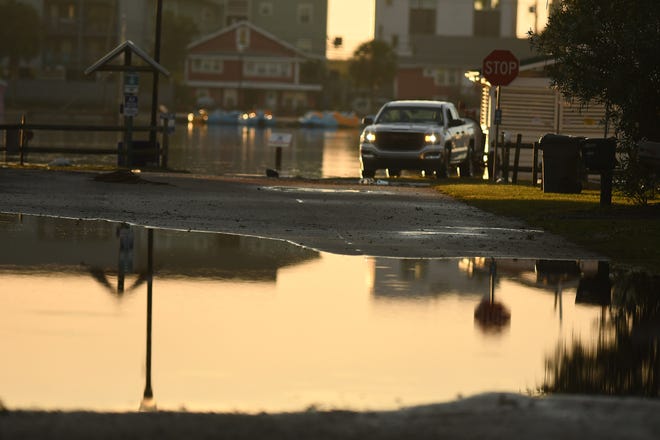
pixel 388 278
pixel 339 216
pixel 253 324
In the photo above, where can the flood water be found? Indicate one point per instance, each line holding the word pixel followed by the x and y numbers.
pixel 97 315
pixel 222 150
pixel 218 150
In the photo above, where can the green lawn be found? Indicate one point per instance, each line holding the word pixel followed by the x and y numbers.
pixel 629 235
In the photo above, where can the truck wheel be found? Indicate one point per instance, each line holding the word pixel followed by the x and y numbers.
pixel 466 168
pixel 444 169
pixel 368 173
pixel 393 172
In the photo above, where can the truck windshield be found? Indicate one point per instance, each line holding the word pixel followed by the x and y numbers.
pixel 411 115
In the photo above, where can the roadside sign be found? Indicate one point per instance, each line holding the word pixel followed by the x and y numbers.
pixel 498 116
pixel 280 140
pixel 171 121
pixel 131 83
pixel 130 105
pixel 500 67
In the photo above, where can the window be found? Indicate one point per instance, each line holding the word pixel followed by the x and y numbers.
pixel 484 5
pixel 236 11
pixel 266 9
pixel 242 38
pixel 71 12
pixel 304 44
pixel 267 69
pixel 443 77
pixel 206 65
pixel 486 22
pixel 412 114
pixel 421 19
pixel 305 13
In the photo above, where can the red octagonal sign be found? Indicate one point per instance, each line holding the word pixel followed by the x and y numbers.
pixel 500 67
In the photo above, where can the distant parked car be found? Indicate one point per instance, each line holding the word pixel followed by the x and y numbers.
pixel 419 135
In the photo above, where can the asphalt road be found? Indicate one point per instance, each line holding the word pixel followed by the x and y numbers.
pixel 341 216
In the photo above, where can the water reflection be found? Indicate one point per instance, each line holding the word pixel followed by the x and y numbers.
pixel 625 358
pixel 223 150
pixel 217 150
pixel 236 323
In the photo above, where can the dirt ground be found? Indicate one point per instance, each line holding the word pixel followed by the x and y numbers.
pixel 341 216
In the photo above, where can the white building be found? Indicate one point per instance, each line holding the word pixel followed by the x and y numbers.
pixel 437 41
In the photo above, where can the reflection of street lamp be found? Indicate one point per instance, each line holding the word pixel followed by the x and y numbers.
pixel 148 403
pixel 490 315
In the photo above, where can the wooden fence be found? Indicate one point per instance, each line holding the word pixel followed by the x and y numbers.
pixel 509 160
pixel 17 142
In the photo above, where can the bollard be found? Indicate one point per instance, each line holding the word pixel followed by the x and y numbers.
pixel 535 162
pixel 516 160
pixel 278 158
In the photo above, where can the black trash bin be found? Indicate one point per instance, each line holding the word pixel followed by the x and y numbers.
pixel 12 140
pixel 561 163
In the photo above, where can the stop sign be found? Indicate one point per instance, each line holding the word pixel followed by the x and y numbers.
pixel 500 67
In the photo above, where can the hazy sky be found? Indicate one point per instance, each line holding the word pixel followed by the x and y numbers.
pixel 353 20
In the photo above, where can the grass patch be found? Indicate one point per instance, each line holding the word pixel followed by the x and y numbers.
pixel 627 234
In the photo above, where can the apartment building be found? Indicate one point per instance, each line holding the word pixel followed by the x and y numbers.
pixel 75 33
pixel 437 41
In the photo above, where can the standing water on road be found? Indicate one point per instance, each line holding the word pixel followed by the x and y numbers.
pixel 222 150
pixel 218 150
pixel 104 316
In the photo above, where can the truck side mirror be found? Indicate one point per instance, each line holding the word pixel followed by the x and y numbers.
pixel 367 120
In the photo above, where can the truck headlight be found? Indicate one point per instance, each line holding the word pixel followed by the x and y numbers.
pixel 368 136
pixel 431 138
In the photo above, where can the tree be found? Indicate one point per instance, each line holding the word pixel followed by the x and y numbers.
pixel 20 27
pixel 609 52
pixel 373 66
pixel 177 33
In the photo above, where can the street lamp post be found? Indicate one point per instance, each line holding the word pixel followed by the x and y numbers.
pixel 154 91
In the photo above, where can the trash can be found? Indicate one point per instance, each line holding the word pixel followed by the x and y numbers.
pixel 12 140
pixel 561 163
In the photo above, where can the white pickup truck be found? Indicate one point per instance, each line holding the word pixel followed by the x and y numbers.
pixel 426 136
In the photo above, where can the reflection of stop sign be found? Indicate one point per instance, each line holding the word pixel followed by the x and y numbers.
pixel 500 67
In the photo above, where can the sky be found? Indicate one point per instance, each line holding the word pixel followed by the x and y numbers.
pixel 353 20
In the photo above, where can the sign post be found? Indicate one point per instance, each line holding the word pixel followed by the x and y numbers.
pixel 279 141
pixel 500 67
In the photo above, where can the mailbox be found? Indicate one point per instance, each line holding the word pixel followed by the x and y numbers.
pixel 598 155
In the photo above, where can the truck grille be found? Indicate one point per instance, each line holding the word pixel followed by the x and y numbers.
pixel 399 141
